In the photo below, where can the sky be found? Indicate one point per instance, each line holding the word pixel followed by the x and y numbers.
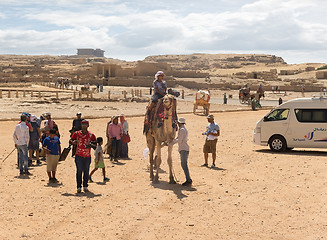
pixel 295 30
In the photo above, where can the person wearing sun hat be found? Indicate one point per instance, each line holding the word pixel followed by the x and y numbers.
pixel 212 133
pixel 183 148
pixel 160 88
pixel 35 136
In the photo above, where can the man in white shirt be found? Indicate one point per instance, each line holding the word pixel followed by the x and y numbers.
pixel 212 133
pixel 183 149
pixel 21 138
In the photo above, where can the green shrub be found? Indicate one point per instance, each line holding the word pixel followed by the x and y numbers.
pixel 322 68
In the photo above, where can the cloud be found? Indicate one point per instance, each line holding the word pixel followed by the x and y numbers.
pixel 33 42
pixel 140 28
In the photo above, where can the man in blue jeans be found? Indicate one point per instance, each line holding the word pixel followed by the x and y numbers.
pixel 183 149
pixel 83 140
pixel 21 138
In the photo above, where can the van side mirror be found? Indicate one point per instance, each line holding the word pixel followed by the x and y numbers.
pixel 265 118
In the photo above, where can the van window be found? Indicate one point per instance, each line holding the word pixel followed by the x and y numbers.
pixel 311 115
pixel 277 115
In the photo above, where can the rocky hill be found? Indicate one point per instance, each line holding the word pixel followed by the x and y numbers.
pixel 215 61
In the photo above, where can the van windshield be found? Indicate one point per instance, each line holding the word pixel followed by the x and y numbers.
pixel 277 115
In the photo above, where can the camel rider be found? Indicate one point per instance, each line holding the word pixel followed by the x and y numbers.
pixel 160 88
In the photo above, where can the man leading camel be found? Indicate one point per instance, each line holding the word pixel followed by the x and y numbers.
pixel 183 148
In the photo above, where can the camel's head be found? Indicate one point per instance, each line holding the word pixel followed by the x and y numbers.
pixel 168 100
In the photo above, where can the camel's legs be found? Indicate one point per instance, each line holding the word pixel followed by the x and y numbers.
pixel 170 164
pixel 151 163
pixel 151 146
pixel 158 161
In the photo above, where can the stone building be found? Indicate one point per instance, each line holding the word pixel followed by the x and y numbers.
pixel 90 52
pixel 321 74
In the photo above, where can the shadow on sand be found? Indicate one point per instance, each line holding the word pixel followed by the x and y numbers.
pixel 82 194
pixel 54 184
pixel 23 176
pixel 296 152
pixel 218 168
pixel 175 188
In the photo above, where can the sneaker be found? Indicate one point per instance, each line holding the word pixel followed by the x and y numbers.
pixel 79 190
pixel 106 179
pixel 187 183
pixel 204 165
pixel 213 165
pixel 28 173
pixel 21 173
pixel 54 180
pixel 85 189
pixel 90 179
pixel 116 160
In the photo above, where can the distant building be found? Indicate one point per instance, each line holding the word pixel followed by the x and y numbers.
pixel 90 52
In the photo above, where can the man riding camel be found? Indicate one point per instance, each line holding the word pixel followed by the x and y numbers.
pixel 160 88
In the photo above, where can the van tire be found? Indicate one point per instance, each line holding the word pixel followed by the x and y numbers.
pixel 277 143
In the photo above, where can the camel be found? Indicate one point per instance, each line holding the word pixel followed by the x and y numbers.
pixel 158 137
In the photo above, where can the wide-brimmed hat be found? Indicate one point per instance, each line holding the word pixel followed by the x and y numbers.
pixel 159 73
pixel 181 120
pixel 210 117
pixel 33 118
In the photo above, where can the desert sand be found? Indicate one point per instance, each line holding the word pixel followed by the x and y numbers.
pixel 252 194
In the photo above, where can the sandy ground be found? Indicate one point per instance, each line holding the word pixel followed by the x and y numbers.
pixel 65 107
pixel 253 194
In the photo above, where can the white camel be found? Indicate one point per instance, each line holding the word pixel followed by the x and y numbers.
pixel 157 137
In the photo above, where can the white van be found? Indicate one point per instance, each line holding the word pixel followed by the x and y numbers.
pixel 300 122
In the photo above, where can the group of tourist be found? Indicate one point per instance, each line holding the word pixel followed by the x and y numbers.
pixel 27 136
pixel 28 133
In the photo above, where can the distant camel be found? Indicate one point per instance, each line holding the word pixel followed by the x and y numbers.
pixel 157 137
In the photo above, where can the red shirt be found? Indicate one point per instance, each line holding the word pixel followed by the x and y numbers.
pixel 84 139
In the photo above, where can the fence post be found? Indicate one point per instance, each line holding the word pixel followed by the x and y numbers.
pixel 124 93
pixel 109 94
pixel 39 94
pixel 74 95
pixel 0 93
pixel 132 92
pixel 16 93
pixel 140 92
pixel 80 94
pixel 24 93
pixel 31 93
pixel 57 95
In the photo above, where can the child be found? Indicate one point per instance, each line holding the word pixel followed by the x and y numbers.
pixel 99 163
pixel 52 148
